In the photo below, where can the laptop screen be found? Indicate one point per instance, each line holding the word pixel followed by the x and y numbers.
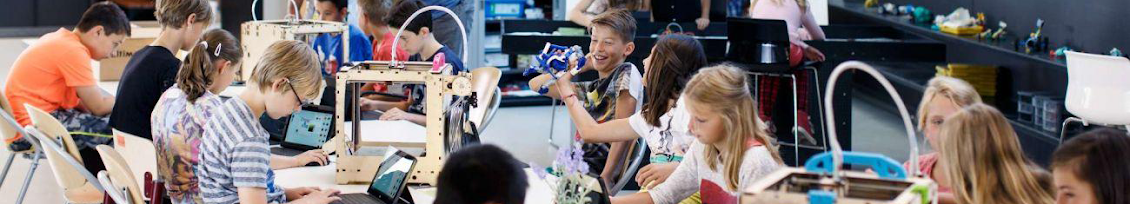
pixel 392 175
pixel 308 128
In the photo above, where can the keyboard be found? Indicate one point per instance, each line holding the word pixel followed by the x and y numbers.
pixel 357 198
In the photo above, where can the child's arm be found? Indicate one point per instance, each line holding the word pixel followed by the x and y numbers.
pixel 97 101
pixel 809 23
pixel 590 131
pixel 540 80
pixel 683 182
pixel 249 195
pixel 282 162
pixel 398 114
pixel 704 19
pixel 638 198
pixel 578 15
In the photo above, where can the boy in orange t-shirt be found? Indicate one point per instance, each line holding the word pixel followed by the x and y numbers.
pixel 55 75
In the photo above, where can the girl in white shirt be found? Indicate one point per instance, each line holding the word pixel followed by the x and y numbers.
pixel 733 149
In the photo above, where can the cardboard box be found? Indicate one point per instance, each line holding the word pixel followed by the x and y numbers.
pixel 110 69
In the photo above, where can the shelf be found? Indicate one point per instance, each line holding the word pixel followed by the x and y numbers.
pixel 514 101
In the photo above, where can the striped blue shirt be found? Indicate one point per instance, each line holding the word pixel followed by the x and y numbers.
pixel 235 154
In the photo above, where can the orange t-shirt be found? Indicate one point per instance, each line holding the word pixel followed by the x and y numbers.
pixel 382 51
pixel 47 73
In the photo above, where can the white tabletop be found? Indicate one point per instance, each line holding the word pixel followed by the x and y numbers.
pixel 397 133
pixel 323 177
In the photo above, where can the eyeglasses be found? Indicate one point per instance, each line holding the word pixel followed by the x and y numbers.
pixel 301 102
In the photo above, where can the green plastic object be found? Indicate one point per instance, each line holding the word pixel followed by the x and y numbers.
pixel 567 31
pixel 923 15
pixel 923 191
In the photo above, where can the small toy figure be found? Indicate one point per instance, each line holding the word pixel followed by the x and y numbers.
pixel 1000 31
pixel 921 15
pixel 554 60
pixel 1117 53
pixel 1034 41
pixel 888 9
pixel 870 3
pixel 1059 53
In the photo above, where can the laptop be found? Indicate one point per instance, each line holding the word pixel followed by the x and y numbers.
pixel 306 129
pixel 389 184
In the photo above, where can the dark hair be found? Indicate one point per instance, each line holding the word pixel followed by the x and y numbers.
pixel 675 59
pixel 1099 157
pixel 620 21
pixel 376 10
pixel 340 4
pixel 403 10
pixel 480 174
pixel 197 72
pixel 173 13
pixel 624 4
pixel 106 14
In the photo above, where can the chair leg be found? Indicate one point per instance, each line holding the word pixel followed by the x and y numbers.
pixel 7 166
pixel 796 125
pixel 1063 129
pixel 820 107
pixel 30 173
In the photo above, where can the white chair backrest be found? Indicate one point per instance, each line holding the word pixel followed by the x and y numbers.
pixel 54 129
pixel 120 173
pixel 69 171
pixel 1098 88
pixel 484 82
pixel 140 153
pixel 114 192
pixel 7 131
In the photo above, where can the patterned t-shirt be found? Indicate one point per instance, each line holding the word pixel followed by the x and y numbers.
pixel 177 127
pixel 235 153
pixel 670 140
pixel 599 98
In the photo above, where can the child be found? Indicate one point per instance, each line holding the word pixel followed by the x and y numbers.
pixel 1091 168
pixel 616 93
pixel 944 96
pixel 234 138
pixel 373 20
pixel 182 111
pixel 663 121
pixel 984 163
pixel 732 151
pixel 330 47
pixel 55 75
pixel 801 26
pixel 466 170
pixel 418 41
pixel 153 68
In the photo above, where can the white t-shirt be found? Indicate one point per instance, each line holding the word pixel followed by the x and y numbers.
pixel 671 138
pixel 693 175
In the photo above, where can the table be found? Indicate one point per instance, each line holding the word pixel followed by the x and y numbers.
pixel 323 177
pixel 398 133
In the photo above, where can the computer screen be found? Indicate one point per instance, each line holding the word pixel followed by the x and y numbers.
pixel 391 175
pixel 309 128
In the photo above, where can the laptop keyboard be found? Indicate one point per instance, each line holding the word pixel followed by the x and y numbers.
pixel 357 199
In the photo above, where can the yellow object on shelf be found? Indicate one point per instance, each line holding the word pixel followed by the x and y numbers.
pixel 982 77
pixel 973 30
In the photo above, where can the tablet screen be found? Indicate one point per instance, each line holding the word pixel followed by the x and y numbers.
pixel 308 128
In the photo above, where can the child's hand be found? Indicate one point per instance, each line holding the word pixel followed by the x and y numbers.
pixel 394 114
pixel 702 23
pixel 319 197
pixel 316 155
pixel 655 174
pixel 813 54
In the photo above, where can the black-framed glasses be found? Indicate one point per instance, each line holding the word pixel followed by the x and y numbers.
pixel 301 102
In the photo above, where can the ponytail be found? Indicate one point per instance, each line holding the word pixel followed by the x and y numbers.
pixel 196 75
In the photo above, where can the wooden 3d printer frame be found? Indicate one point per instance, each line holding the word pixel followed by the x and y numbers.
pixel 353 167
pixel 258 35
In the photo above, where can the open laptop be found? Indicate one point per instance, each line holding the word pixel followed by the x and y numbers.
pixel 389 184
pixel 306 129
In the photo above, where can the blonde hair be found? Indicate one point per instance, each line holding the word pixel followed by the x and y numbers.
pixel 957 91
pixel 725 90
pixel 981 156
pixel 291 60
pixel 173 13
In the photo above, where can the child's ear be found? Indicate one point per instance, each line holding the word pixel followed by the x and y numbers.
pixel 277 85
pixel 631 47
pixel 425 31
pixel 222 66
pixel 189 21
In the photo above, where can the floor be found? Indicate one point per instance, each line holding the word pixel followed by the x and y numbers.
pixel 532 134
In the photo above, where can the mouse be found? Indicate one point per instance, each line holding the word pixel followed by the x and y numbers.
pixel 313 164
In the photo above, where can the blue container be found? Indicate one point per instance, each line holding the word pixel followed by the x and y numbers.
pixel 504 8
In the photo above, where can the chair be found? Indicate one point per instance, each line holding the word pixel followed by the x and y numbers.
pixel 10 131
pixel 115 195
pixel 484 82
pixel 121 175
pixel 1097 90
pixel 763 47
pixel 637 154
pixel 79 185
pixel 140 152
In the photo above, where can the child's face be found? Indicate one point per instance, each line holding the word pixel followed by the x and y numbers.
pixel 1070 189
pixel 608 48
pixel 938 109
pixel 647 66
pixel 706 124
pixel 413 42
pixel 283 100
pixel 104 46
pixel 225 77
pixel 329 11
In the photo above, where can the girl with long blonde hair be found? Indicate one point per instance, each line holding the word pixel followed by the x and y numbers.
pixel 732 151
pixel 982 158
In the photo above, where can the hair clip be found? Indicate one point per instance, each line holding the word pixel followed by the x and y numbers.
pixel 218 46
pixel 204 43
